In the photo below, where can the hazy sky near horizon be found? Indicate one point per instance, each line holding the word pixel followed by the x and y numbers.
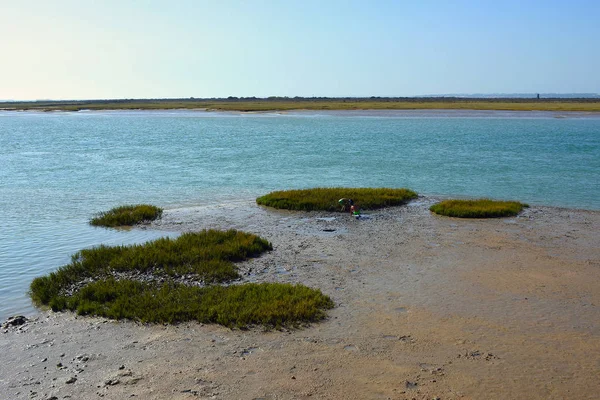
pixel 72 49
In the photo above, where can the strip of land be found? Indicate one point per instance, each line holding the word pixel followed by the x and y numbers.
pixel 426 306
pixel 251 104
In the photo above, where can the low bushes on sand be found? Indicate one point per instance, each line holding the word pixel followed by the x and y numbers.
pixel 268 304
pixel 208 256
pixel 481 208
pixel 326 199
pixel 138 282
pixel 127 215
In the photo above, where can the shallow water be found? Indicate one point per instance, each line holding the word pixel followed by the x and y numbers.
pixel 58 169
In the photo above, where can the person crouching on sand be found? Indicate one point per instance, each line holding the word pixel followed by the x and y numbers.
pixel 344 202
pixel 354 211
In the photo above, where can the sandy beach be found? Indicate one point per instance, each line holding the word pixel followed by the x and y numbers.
pixel 426 307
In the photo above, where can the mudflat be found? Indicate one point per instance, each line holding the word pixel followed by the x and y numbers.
pixel 426 307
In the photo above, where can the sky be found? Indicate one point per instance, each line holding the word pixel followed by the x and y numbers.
pixel 73 49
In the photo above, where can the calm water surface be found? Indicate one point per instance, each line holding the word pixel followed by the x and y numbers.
pixel 57 169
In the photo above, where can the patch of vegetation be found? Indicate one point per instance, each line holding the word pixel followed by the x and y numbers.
pixel 481 208
pixel 326 199
pixel 110 282
pixel 208 256
pixel 127 215
pixel 268 304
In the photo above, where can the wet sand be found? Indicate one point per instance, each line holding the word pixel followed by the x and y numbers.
pixel 426 307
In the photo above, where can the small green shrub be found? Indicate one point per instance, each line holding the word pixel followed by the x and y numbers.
pixel 481 208
pixel 207 256
pixel 268 304
pixel 326 199
pixel 127 215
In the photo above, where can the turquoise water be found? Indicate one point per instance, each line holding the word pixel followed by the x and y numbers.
pixel 57 169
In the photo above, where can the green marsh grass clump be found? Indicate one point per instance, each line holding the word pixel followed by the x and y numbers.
pixel 208 256
pixel 127 215
pixel 108 281
pixel 326 199
pixel 267 304
pixel 481 208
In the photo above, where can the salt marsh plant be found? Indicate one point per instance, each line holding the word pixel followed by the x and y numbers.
pixel 208 256
pixel 267 304
pixel 127 215
pixel 326 199
pixel 138 282
pixel 480 208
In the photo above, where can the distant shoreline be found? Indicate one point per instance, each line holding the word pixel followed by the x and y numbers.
pixel 316 104
pixel 375 113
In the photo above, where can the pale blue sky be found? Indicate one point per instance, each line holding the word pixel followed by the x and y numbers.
pixel 77 49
